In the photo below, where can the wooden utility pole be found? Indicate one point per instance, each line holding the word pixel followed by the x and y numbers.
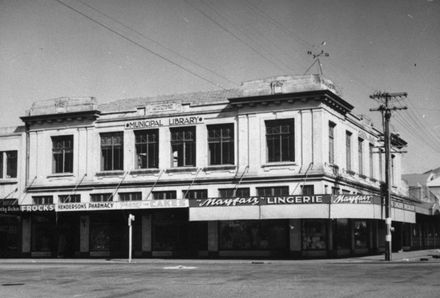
pixel 386 111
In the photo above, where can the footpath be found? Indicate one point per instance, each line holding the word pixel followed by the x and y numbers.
pixel 430 256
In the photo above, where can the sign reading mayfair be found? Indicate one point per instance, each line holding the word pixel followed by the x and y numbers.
pixel 159 122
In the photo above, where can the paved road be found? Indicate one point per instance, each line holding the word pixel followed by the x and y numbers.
pixel 219 279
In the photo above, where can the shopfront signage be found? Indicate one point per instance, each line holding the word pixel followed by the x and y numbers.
pixel 257 201
pixel 149 204
pixel 38 208
pixel 159 122
pixel 6 209
pixel 355 199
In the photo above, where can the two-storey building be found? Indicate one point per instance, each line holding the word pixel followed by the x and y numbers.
pixel 278 167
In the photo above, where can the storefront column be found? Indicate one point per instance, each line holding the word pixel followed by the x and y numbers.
pixel 26 236
pixel 295 237
pixel 376 236
pixel 146 230
pixel 212 238
pixel 84 232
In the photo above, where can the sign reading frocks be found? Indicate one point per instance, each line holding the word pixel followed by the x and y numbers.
pixel 159 122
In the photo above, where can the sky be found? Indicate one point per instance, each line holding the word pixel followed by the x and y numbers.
pixel 114 49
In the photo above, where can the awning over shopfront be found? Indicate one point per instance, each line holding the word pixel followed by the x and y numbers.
pixel 314 206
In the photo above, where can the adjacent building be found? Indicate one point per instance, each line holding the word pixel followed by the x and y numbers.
pixel 278 167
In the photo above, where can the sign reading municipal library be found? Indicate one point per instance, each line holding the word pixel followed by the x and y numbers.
pixel 159 122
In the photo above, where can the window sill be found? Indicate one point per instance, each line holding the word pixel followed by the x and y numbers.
pixel 110 173
pixel 181 169
pixel 220 168
pixel 8 181
pixel 144 171
pixel 279 164
pixel 60 175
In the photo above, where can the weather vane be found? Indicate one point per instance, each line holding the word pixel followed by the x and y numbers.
pixel 316 58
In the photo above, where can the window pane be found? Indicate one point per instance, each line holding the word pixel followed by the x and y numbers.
pixel 147 149
pixel 112 156
pixel 130 196
pixel 1 164
pixel 221 144
pixel 11 168
pixel 62 154
pixel 239 193
pixel 280 140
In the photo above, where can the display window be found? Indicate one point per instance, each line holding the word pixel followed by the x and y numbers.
pixel 314 235
pixel 99 234
pixel 169 231
pixel 342 234
pixel 9 234
pixel 360 233
pixel 43 232
pixel 253 235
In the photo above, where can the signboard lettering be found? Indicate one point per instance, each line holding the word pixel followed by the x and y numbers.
pixel 118 205
pixel 175 121
pixel 352 199
pixel 37 208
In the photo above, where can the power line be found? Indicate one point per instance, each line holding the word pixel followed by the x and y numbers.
pixel 157 43
pixel 140 45
pixel 233 34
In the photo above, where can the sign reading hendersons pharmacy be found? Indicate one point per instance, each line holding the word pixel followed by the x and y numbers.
pixel 159 122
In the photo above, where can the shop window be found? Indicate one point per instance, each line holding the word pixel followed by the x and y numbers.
pixel 8 164
pixel 183 146
pixel 273 191
pixel 234 192
pixel 169 231
pixel 280 140
pixel 361 235
pixel 42 200
pixel 43 231
pixel 348 150
pixel 221 144
pixel 69 198
pixel 112 155
pixel 130 196
pixel 101 197
pixel 361 155
pixel 195 194
pixel 62 154
pixel 331 142
pixel 10 228
pixel 308 190
pixel 314 235
pixel 164 195
pixel 253 235
pixel 99 234
pixel 147 148
pixel 343 234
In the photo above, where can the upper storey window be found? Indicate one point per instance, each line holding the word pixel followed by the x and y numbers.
pixel 331 142
pixel 348 150
pixel 361 155
pixel 280 140
pixel 62 154
pixel 147 149
pixel 8 164
pixel 221 144
pixel 183 146
pixel 112 154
